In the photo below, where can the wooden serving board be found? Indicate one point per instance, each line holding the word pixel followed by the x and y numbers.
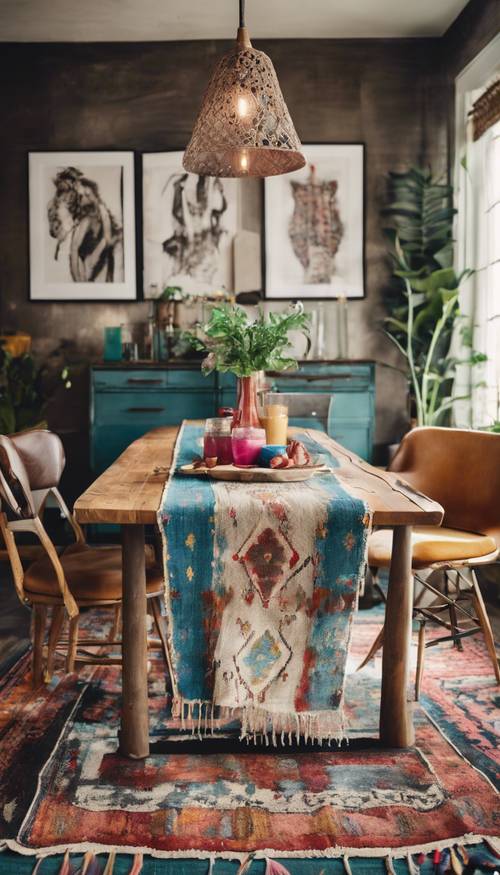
pixel 254 475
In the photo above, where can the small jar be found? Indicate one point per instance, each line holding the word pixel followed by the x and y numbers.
pixel 247 443
pixel 217 440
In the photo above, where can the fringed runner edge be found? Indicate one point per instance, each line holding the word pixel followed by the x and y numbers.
pixel 325 853
pixel 256 723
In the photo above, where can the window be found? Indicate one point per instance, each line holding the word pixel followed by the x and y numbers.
pixel 477 183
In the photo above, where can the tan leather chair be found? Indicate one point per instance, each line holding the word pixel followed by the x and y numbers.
pixel 31 465
pixel 461 470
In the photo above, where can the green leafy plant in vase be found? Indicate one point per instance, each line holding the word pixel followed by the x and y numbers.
pixel 234 343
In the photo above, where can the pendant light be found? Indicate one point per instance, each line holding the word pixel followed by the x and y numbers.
pixel 244 127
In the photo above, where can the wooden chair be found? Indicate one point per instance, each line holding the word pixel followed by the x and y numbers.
pixel 81 576
pixel 461 470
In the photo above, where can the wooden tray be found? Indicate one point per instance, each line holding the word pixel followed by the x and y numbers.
pixel 254 475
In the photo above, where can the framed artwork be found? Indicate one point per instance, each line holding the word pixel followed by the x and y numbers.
pixel 82 226
pixel 189 224
pixel 314 226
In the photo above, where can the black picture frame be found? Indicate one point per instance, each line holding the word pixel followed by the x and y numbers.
pixel 269 222
pixel 40 289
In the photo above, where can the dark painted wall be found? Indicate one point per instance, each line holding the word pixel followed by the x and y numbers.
pixel 385 93
pixel 393 95
pixel 476 25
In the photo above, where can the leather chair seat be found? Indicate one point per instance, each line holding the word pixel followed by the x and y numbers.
pixel 431 544
pixel 92 574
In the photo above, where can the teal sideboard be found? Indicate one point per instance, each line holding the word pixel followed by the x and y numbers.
pixel 351 420
pixel 129 400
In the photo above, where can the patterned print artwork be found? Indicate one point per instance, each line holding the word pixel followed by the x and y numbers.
pixel 262 585
pixel 314 228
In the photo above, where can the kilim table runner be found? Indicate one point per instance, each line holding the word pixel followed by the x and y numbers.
pixel 262 582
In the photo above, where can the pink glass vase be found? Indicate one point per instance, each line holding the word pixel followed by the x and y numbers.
pixel 246 413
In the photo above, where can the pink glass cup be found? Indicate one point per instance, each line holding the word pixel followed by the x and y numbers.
pixel 247 443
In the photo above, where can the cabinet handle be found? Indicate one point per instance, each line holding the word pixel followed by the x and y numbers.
pixel 136 381
pixel 144 410
pixel 309 378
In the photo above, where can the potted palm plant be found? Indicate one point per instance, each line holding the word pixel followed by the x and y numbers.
pixel 236 344
pixel 424 297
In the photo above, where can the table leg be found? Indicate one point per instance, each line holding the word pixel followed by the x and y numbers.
pixel 134 733
pixel 396 725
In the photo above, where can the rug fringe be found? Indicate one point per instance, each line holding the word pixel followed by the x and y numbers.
pixel 347 868
pixel 336 852
pixel 259 725
pixel 110 865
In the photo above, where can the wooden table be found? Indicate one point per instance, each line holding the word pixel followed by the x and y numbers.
pixel 129 493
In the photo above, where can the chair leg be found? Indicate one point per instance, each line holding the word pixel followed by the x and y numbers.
pixel 377 644
pixel 72 643
pixel 484 622
pixel 457 641
pixel 39 622
pixel 420 659
pixel 117 622
pixel 58 615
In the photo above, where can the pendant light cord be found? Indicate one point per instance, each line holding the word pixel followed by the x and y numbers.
pixel 242 13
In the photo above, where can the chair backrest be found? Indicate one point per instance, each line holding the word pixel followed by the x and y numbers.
pixel 22 504
pixel 458 468
pixel 15 488
pixel 43 455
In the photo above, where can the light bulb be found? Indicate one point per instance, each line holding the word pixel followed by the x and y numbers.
pixel 243 106
pixel 244 161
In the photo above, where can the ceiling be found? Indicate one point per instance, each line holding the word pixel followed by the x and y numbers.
pixel 136 20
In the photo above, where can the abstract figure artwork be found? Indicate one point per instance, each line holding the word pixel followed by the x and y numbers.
pixel 189 226
pixel 314 226
pixel 82 226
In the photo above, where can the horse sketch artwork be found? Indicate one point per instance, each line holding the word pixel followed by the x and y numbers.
pixel 81 225
pixel 189 226
pixel 79 217
pixel 314 234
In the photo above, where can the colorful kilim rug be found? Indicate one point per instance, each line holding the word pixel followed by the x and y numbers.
pixel 263 580
pixel 223 798
pixel 460 693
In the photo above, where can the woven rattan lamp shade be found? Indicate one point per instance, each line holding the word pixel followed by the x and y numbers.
pixel 244 127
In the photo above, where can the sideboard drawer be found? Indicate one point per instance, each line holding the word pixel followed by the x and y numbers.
pixel 130 379
pixel 191 379
pixel 151 409
pixel 320 383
